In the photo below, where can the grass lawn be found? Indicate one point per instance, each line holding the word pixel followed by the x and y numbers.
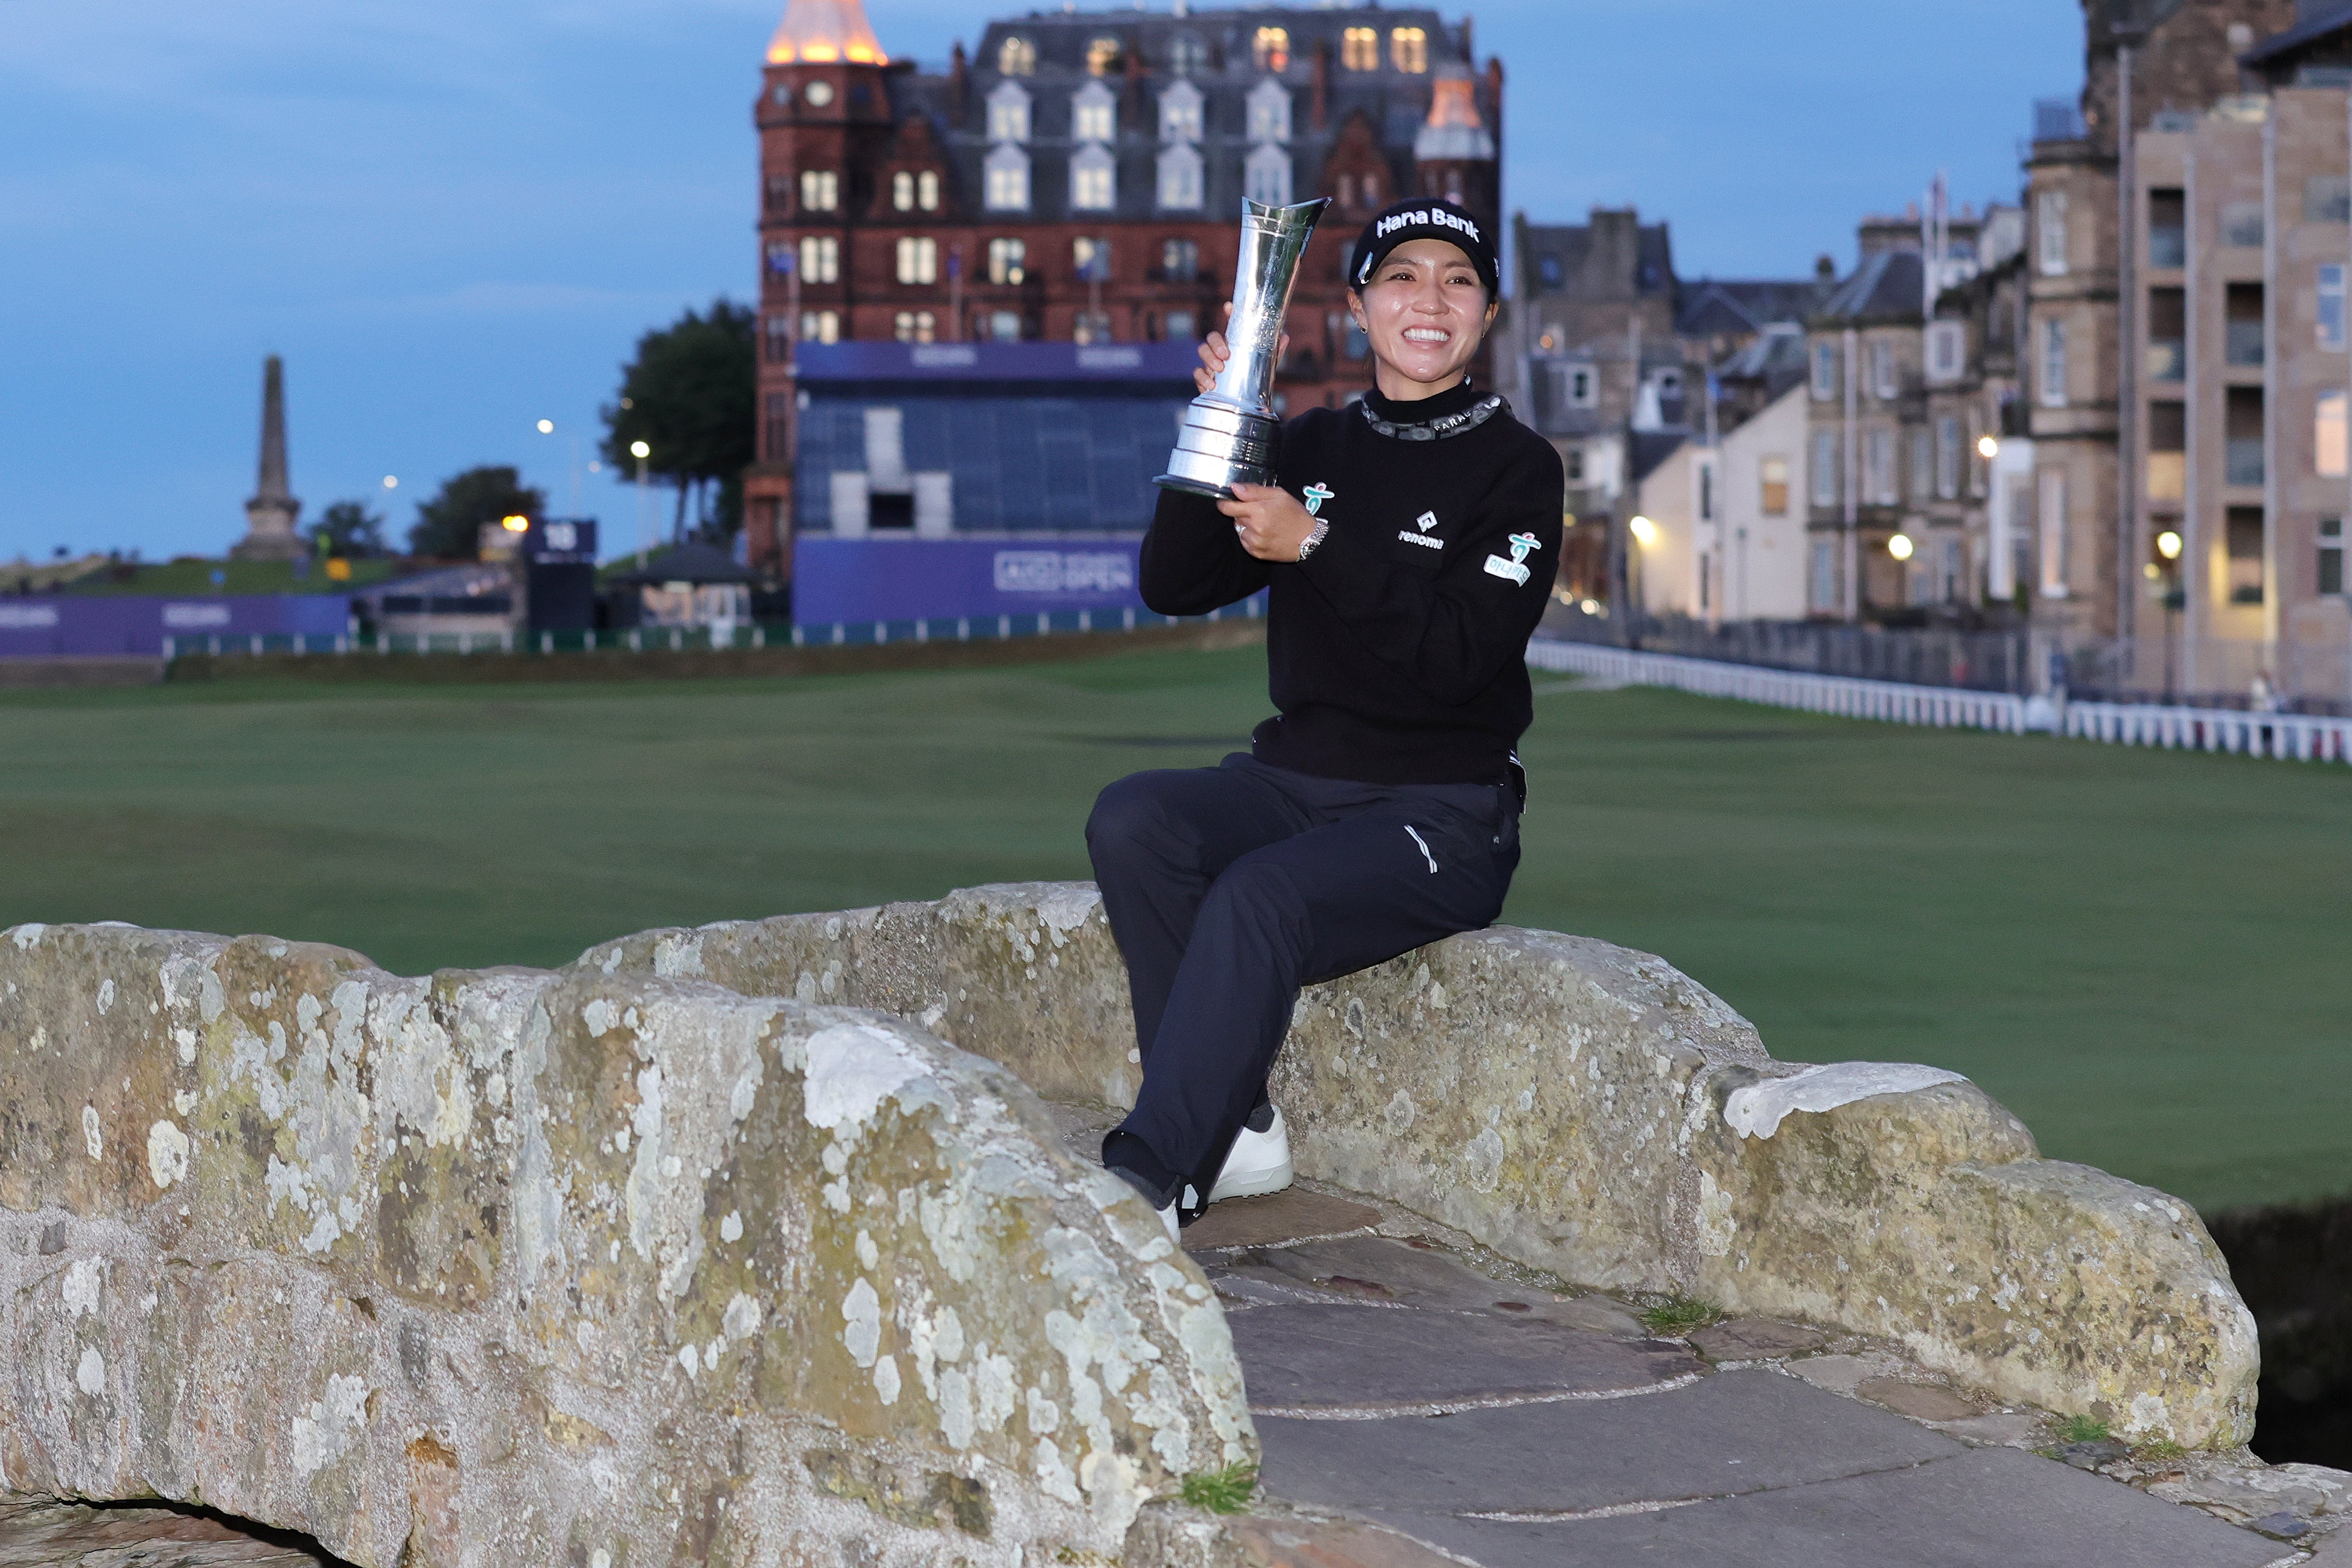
pixel 2136 950
pixel 194 578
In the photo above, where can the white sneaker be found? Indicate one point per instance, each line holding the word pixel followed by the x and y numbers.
pixel 1259 1163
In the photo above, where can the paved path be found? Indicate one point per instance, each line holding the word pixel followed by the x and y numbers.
pixel 1409 1402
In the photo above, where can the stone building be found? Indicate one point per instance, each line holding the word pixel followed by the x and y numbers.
pixel 1080 177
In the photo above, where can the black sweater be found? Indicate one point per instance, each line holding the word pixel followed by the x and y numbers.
pixel 1396 652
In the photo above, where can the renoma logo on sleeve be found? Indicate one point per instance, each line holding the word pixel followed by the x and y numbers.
pixel 1515 569
pixel 1316 495
pixel 1424 522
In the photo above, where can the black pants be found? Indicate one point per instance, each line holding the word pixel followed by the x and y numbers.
pixel 1230 887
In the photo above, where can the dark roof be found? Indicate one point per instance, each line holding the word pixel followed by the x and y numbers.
pixel 2315 20
pixel 1652 449
pixel 1746 305
pixel 1887 286
pixel 1567 249
pixel 686 563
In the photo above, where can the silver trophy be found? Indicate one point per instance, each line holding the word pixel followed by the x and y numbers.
pixel 1230 432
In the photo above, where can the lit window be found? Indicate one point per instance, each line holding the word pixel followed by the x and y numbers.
pixel 1826 372
pixel 1102 56
pixel 821 326
pixel 1093 180
pixel 1008 113
pixel 1179 260
pixel 1180 113
pixel 1016 57
pixel 1093 114
pixel 1006 260
pixel 1180 178
pixel 2054 364
pixel 1269 113
pixel 1090 259
pixel 820 190
pixel 2331 305
pixel 1408 49
pixel 919 260
pixel 902 190
pixel 1007 173
pixel 2051 226
pixel 1825 468
pixel 1773 486
pixel 2050 523
pixel 1272 49
pixel 1268 176
pixel 1359 49
pixel 820 259
pixel 2328 435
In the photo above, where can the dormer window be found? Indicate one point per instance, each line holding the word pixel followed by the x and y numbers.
pixel 1268 173
pixel 1187 54
pixel 1181 178
pixel 1094 113
pixel 1094 184
pixel 1359 49
pixel 1408 49
pixel 1102 56
pixel 1272 49
pixel 1006 176
pixel 1269 111
pixel 1016 57
pixel 1008 112
pixel 1180 113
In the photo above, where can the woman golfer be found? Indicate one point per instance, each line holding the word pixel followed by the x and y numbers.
pixel 1408 552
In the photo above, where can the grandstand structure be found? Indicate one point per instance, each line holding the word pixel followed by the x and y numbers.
pixel 1077 181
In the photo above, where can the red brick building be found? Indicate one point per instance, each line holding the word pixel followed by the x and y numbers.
pixel 1080 179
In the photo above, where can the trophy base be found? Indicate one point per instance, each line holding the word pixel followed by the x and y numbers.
pixel 1218 447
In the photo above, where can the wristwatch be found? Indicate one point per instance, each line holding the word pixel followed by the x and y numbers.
pixel 1322 530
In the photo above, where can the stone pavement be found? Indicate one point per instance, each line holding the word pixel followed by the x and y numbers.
pixel 1420 1404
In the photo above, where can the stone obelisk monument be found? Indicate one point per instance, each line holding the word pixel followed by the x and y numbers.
pixel 269 517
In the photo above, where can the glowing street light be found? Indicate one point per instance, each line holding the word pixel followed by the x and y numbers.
pixel 640 451
pixel 1645 531
pixel 517 523
pixel 2168 545
pixel 1899 547
pixel 1988 448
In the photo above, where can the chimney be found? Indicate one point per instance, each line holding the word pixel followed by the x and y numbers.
pixel 959 83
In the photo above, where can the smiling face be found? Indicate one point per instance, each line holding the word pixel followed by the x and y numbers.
pixel 1425 311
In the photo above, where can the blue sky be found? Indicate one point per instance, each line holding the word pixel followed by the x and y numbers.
pixel 454 218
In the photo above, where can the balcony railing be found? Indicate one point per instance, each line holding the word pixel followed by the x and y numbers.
pixel 2168 360
pixel 2242 343
pixel 2242 461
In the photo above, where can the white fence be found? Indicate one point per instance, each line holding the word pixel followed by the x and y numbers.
pixel 2279 735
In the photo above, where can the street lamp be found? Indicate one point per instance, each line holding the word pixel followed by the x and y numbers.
pixel 1645 531
pixel 2168 545
pixel 640 451
pixel 1899 547
pixel 1988 448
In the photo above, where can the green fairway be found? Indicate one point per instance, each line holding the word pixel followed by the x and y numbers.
pixel 2134 950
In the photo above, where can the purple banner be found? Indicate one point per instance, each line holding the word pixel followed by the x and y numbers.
pixel 47 626
pixel 907 578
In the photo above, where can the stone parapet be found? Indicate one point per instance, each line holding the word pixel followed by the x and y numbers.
pixel 1594 1113
pixel 599 1267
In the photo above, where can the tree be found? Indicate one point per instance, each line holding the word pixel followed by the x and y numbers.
pixel 449 525
pixel 690 395
pixel 348 528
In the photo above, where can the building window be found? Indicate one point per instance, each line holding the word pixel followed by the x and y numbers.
pixel 1094 186
pixel 1947 456
pixel 780 426
pixel 1821 582
pixel 1773 486
pixel 1003 327
pixel 1007 173
pixel 2331 305
pixel 1179 260
pixel 1952 572
pixel 780 258
pixel 1180 327
pixel 1093 114
pixel 1102 56
pixel 821 326
pixel 779 339
pixel 1359 49
pixel 2051 523
pixel 1408 49
pixel 1922 461
pixel 1269 113
pixel 1006 260
pixel 1181 176
pixel 1878 465
pixel 2241 226
pixel 2167 450
pixel 919 260
pixel 1826 372
pixel 1091 327
pixel 1008 113
pixel 1825 468
pixel 820 190
pixel 820 259
pixel 1016 57
pixel 916 326
pixel 2050 227
pixel 2243 540
pixel 1180 113
pixel 1946 341
pixel 910 190
pixel 2167 334
pixel 1268 173
pixel 1707 492
pixel 1187 54
pixel 2054 364
pixel 2331 555
pixel 1882 369
pixel 1090 259
pixel 1582 386
pixel 2328 435
pixel 1272 49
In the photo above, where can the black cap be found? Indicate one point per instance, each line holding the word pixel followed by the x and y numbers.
pixel 1425 218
